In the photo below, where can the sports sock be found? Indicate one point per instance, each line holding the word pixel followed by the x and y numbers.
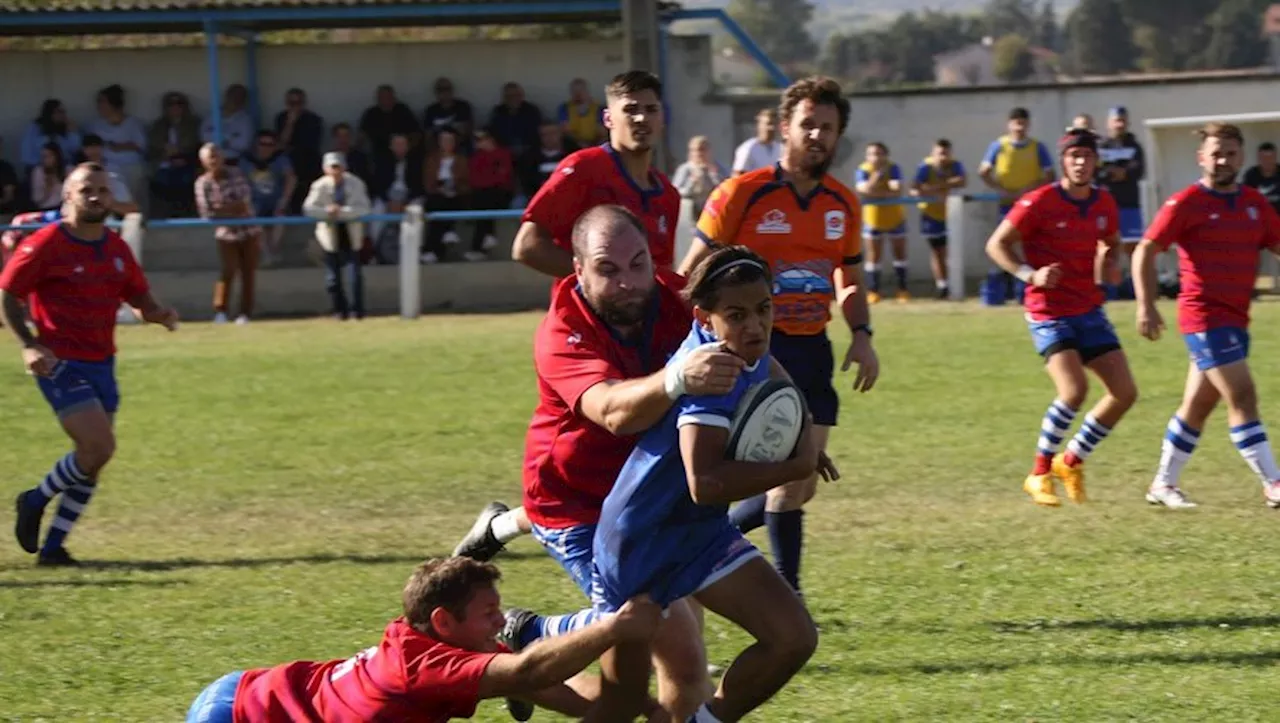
pixel 1251 440
pixel 703 715
pixel 1089 436
pixel 74 500
pixel 786 537
pixel 1179 442
pixel 873 276
pixel 505 527
pixel 64 474
pixel 748 514
pixel 1053 428
pixel 941 284
pixel 900 271
pixel 553 625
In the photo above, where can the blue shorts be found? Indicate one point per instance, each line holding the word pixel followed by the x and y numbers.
pixel 216 703
pixel 679 573
pixel 1131 226
pixel 932 227
pixel 76 385
pixel 809 361
pixel 1217 347
pixel 899 230
pixel 265 206
pixel 1090 333
pixel 572 548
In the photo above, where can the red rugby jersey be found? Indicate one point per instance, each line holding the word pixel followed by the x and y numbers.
pixel 1056 228
pixel 570 463
pixel 408 677
pixel 74 289
pixel 594 177
pixel 1219 237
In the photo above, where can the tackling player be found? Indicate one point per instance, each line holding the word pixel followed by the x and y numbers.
pixel 805 224
pixel 1219 227
pixel 1066 230
pixel 434 664
pixel 880 178
pixel 72 277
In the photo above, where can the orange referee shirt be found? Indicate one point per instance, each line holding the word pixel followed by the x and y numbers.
pixel 804 239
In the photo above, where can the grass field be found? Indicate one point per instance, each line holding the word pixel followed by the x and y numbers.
pixel 276 483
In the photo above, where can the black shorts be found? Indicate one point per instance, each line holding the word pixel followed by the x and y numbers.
pixel 809 361
pixel 937 242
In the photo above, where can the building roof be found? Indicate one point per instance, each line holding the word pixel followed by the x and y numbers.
pixel 96 17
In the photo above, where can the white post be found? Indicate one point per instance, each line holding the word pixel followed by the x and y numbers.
pixel 955 246
pixel 132 231
pixel 411 228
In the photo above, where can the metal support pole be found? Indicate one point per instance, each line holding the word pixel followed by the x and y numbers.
pixel 215 83
pixel 251 68
pixel 411 229
pixel 955 246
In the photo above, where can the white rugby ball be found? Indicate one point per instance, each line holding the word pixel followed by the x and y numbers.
pixel 767 423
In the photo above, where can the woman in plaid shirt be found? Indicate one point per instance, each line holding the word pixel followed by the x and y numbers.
pixel 223 192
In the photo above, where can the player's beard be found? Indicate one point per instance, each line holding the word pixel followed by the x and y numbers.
pixel 815 169
pixel 624 311
pixel 1223 178
pixel 92 215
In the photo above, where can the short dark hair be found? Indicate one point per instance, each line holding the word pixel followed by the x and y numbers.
pixel 819 89
pixel 725 266
pixel 877 144
pixel 444 583
pixel 609 217
pixel 343 126
pixel 632 82
pixel 91 140
pixel 942 143
pixel 1019 113
pixel 1221 131
pixel 1264 147
pixel 114 95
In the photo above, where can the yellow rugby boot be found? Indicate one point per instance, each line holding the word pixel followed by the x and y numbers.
pixel 873 297
pixel 903 296
pixel 1040 487
pixel 1072 477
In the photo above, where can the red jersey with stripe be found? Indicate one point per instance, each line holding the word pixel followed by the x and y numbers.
pixel 595 177
pixel 570 463
pixel 1219 238
pixel 73 289
pixel 804 239
pixel 1058 229
pixel 409 677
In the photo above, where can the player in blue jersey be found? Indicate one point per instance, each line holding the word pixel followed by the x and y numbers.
pixel 664 528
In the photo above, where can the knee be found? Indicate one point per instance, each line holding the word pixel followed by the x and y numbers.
pixel 1073 394
pixel 797 644
pixel 1126 394
pixel 94 454
pixel 1245 398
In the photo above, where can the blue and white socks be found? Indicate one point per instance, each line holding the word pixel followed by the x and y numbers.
pixel 1180 441
pixel 1250 440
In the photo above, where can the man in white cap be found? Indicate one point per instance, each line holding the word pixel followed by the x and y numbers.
pixel 339 199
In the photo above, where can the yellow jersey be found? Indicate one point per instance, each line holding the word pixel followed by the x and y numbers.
pixel 881 218
pixel 1018 165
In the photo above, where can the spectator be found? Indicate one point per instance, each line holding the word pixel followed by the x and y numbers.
pixel 448 111
pixel 223 192
pixel 698 176
pixel 300 133
pixel 1265 176
pixel 52 126
pixel 9 185
pixel 47 178
pixel 514 122
pixel 582 117
pixel 445 176
pixel 338 199
pixel 397 182
pixel 173 144
pixel 1014 164
pixel 1122 165
pixel 126 141
pixel 271 183
pixel 237 126
pixel 387 117
pixel 492 188
pixel 1084 121
pixel 537 164
pixel 762 151
pixel 122 203
pixel 356 160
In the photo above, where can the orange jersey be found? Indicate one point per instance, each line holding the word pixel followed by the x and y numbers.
pixel 804 239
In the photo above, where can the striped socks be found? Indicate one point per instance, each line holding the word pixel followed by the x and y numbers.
pixel 73 503
pixel 1180 441
pixel 1053 429
pixel 66 473
pixel 1090 434
pixel 1250 439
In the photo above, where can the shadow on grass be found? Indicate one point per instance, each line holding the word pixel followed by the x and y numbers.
pixel 188 563
pixel 21 584
pixel 1263 658
pixel 1138 626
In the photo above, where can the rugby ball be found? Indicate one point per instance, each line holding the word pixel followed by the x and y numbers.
pixel 767 423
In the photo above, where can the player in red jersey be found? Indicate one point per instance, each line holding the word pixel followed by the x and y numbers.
pixel 434 664
pixel 70 278
pixel 1219 227
pixel 618 172
pixel 1069 232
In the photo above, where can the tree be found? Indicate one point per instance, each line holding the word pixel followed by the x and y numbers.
pixel 1048 34
pixel 1171 34
pixel 779 26
pixel 1235 39
pixel 1012 57
pixel 1101 38
pixel 837 57
pixel 1010 17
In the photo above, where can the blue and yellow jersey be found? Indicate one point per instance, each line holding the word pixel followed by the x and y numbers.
pixel 583 123
pixel 881 218
pixel 1018 165
pixel 933 174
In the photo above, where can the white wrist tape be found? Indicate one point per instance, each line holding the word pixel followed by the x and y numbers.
pixel 1024 273
pixel 674 383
